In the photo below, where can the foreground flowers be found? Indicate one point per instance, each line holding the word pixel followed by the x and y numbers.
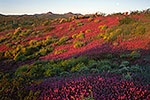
pixel 101 86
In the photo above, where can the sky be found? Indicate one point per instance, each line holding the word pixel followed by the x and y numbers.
pixel 18 7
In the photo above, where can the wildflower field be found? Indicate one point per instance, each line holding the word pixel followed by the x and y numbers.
pixel 83 57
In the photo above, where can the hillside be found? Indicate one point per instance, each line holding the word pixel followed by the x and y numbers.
pixel 76 57
pixel 8 22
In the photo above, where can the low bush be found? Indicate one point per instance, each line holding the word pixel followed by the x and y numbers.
pixel 74 36
pixel 48 29
pixel 45 42
pixel 18 31
pixel 60 51
pixel 140 30
pixel 77 67
pixel 87 31
pixel 90 19
pixel 97 20
pixel 127 20
pixel 9 45
pixel 79 23
pixel 61 28
pixel 135 54
pixel 26 33
pixel 103 27
pixel 113 35
pixel 33 42
pixel 63 40
pixel 64 74
pixel 78 44
pixel 2 39
pixel 8 54
pixel 19 71
pixel 63 20
pixel 81 35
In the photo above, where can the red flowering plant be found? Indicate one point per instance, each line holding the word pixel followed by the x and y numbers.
pixel 100 86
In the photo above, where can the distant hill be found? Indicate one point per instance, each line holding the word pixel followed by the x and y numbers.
pixel 53 15
pixel 48 14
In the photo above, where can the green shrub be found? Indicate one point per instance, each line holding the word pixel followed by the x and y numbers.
pixel 71 29
pixel 48 29
pixel 103 64
pixel 74 17
pixel 26 33
pixel 43 51
pixel 18 56
pixel 49 38
pixel 135 54
pixel 90 19
pixel 64 74
pixel 113 35
pixel 71 25
pixel 48 73
pixel 92 63
pixel 9 34
pixel 67 64
pixel 56 71
pixel 140 30
pixel 43 62
pixel 81 35
pixel 33 42
pixel 60 51
pixel 1 53
pixel 2 39
pixel 135 68
pixel 74 36
pixel 127 76
pixel 36 71
pixel 45 23
pixel 97 21
pixel 77 67
pixel 61 28
pixel 94 70
pixel 19 71
pixel 17 31
pixel 125 63
pixel 87 31
pixel 115 65
pixel 63 20
pixel 103 27
pixel 83 70
pixel 29 50
pixel 78 44
pixel 79 23
pixel 106 67
pixel 125 55
pixel 8 54
pixel 126 20
pixel 9 45
pixel 124 69
pixel 63 40
pixel 45 42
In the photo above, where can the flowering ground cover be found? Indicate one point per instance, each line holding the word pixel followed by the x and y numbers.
pixel 82 57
